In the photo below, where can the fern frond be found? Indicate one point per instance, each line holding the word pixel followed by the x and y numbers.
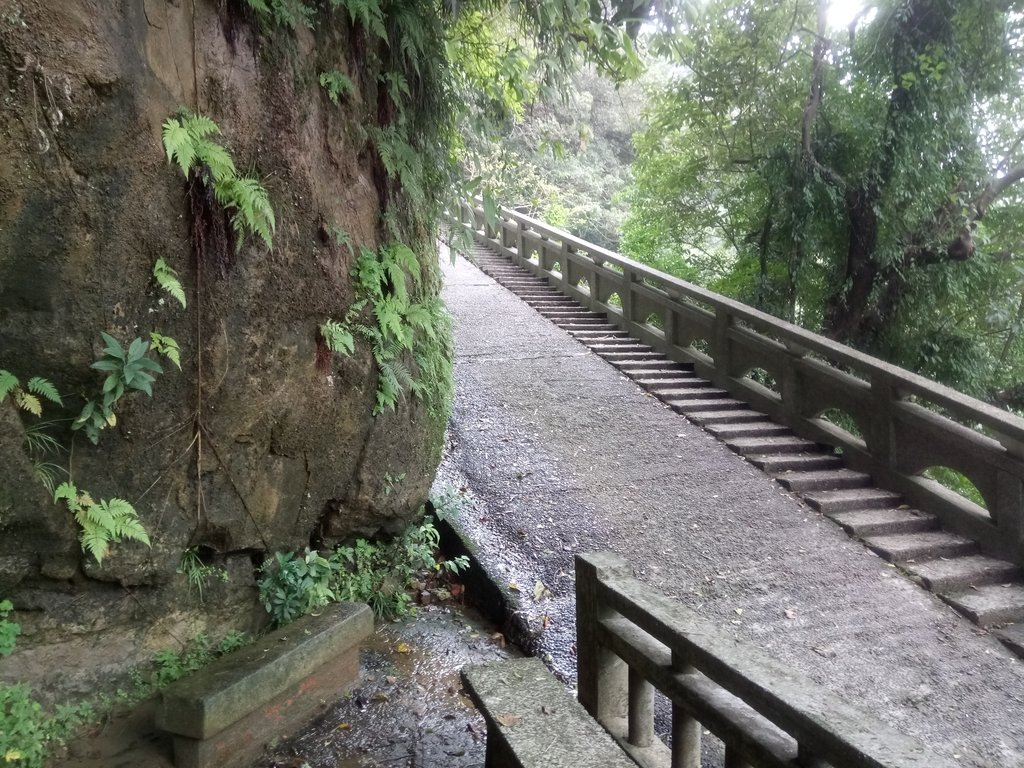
pixel 27 402
pixel 405 257
pixel 8 383
pixel 200 126
pixel 167 347
pixel 337 337
pixel 94 541
pixel 397 279
pixel 217 159
pixel 44 388
pixel 167 278
pixel 179 144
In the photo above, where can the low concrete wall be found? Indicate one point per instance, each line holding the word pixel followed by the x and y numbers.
pixel 224 715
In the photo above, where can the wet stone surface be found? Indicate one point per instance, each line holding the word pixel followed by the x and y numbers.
pixel 408 709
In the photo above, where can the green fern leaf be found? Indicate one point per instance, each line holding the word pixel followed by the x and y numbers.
pixel 179 145
pixel 67 492
pixel 337 337
pixel 8 383
pixel 27 402
pixel 200 126
pixel 167 347
pixel 45 388
pixel 167 278
pixel 217 159
pixel 406 257
pixel 94 541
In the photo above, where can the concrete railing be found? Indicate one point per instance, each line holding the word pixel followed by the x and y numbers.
pixel 907 424
pixel 631 642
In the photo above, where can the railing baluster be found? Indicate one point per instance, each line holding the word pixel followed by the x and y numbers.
pixel 641 710
pixel 602 679
pixel 686 729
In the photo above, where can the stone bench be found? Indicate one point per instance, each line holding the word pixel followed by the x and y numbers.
pixel 534 722
pixel 225 714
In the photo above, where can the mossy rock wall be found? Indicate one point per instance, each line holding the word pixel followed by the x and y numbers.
pixel 251 447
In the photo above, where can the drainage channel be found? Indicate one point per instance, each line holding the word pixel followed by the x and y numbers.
pixel 986 590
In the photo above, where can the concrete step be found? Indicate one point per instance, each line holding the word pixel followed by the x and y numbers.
pixel 551 302
pixel 882 522
pixel 822 480
pixel 696 406
pixel 585 335
pixel 568 312
pixel 991 604
pixel 726 417
pixel 1012 636
pixel 762 428
pixel 611 345
pixel 703 392
pixel 901 547
pixel 960 573
pixel 772 463
pixel 759 446
pixel 649 374
pixel 847 499
pixel 662 386
pixel 651 367
pixel 613 356
pixel 594 321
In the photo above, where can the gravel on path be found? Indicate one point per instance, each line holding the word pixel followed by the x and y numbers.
pixel 563 454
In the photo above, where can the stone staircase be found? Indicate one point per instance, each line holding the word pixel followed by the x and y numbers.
pixel 988 591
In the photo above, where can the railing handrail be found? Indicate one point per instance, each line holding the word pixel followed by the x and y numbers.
pixel 674 649
pixel 895 439
pixel 999 421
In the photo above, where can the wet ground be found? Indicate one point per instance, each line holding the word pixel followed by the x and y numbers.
pixel 409 710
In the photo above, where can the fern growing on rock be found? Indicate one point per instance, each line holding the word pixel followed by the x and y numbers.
pixel 27 397
pixel 103 522
pixel 224 206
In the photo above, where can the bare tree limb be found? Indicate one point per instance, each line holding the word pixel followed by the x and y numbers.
pixel 813 103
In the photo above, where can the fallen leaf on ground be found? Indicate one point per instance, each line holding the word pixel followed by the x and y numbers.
pixel 508 720
pixel 404 648
pixel 513 587
pixel 790 613
pixel 344 727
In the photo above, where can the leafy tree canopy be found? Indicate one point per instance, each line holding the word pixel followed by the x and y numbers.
pixel 862 181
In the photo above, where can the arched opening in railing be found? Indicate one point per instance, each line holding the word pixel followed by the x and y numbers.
pixel 702 346
pixel 958 483
pixel 583 284
pixel 613 299
pixel 842 426
pixel 654 320
pixel 764 380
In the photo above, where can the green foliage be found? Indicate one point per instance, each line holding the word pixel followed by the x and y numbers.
pixel 337 337
pixel 168 280
pixel 377 573
pixel 337 84
pixel 803 169
pixel 199 573
pixel 9 630
pixel 103 523
pixel 22 727
pixel 126 370
pixel 187 143
pixel 27 398
pixel 292 586
pixel 284 13
pixel 166 346
pixel 170 666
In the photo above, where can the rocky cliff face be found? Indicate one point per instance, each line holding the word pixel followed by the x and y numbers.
pixel 251 447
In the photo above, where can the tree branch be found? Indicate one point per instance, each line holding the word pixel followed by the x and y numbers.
pixel 813 102
pixel 995 188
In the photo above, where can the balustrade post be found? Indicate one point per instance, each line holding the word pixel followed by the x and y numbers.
pixel 626 296
pixel 686 729
pixel 520 244
pixel 790 386
pixel 641 710
pixel 881 440
pixel 564 267
pixel 602 678
pixel 722 348
pixel 1008 510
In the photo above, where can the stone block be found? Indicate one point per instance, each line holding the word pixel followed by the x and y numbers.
pixel 204 704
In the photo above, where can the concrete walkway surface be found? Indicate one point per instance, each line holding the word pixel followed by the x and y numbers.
pixel 564 454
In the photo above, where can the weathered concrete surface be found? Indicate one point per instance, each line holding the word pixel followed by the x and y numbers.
pixel 532 721
pixel 202 705
pixel 565 455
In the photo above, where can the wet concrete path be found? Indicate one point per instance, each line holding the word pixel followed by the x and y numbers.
pixel 564 454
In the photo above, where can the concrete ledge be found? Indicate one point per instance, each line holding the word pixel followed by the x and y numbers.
pixel 533 721
pixel 265 690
